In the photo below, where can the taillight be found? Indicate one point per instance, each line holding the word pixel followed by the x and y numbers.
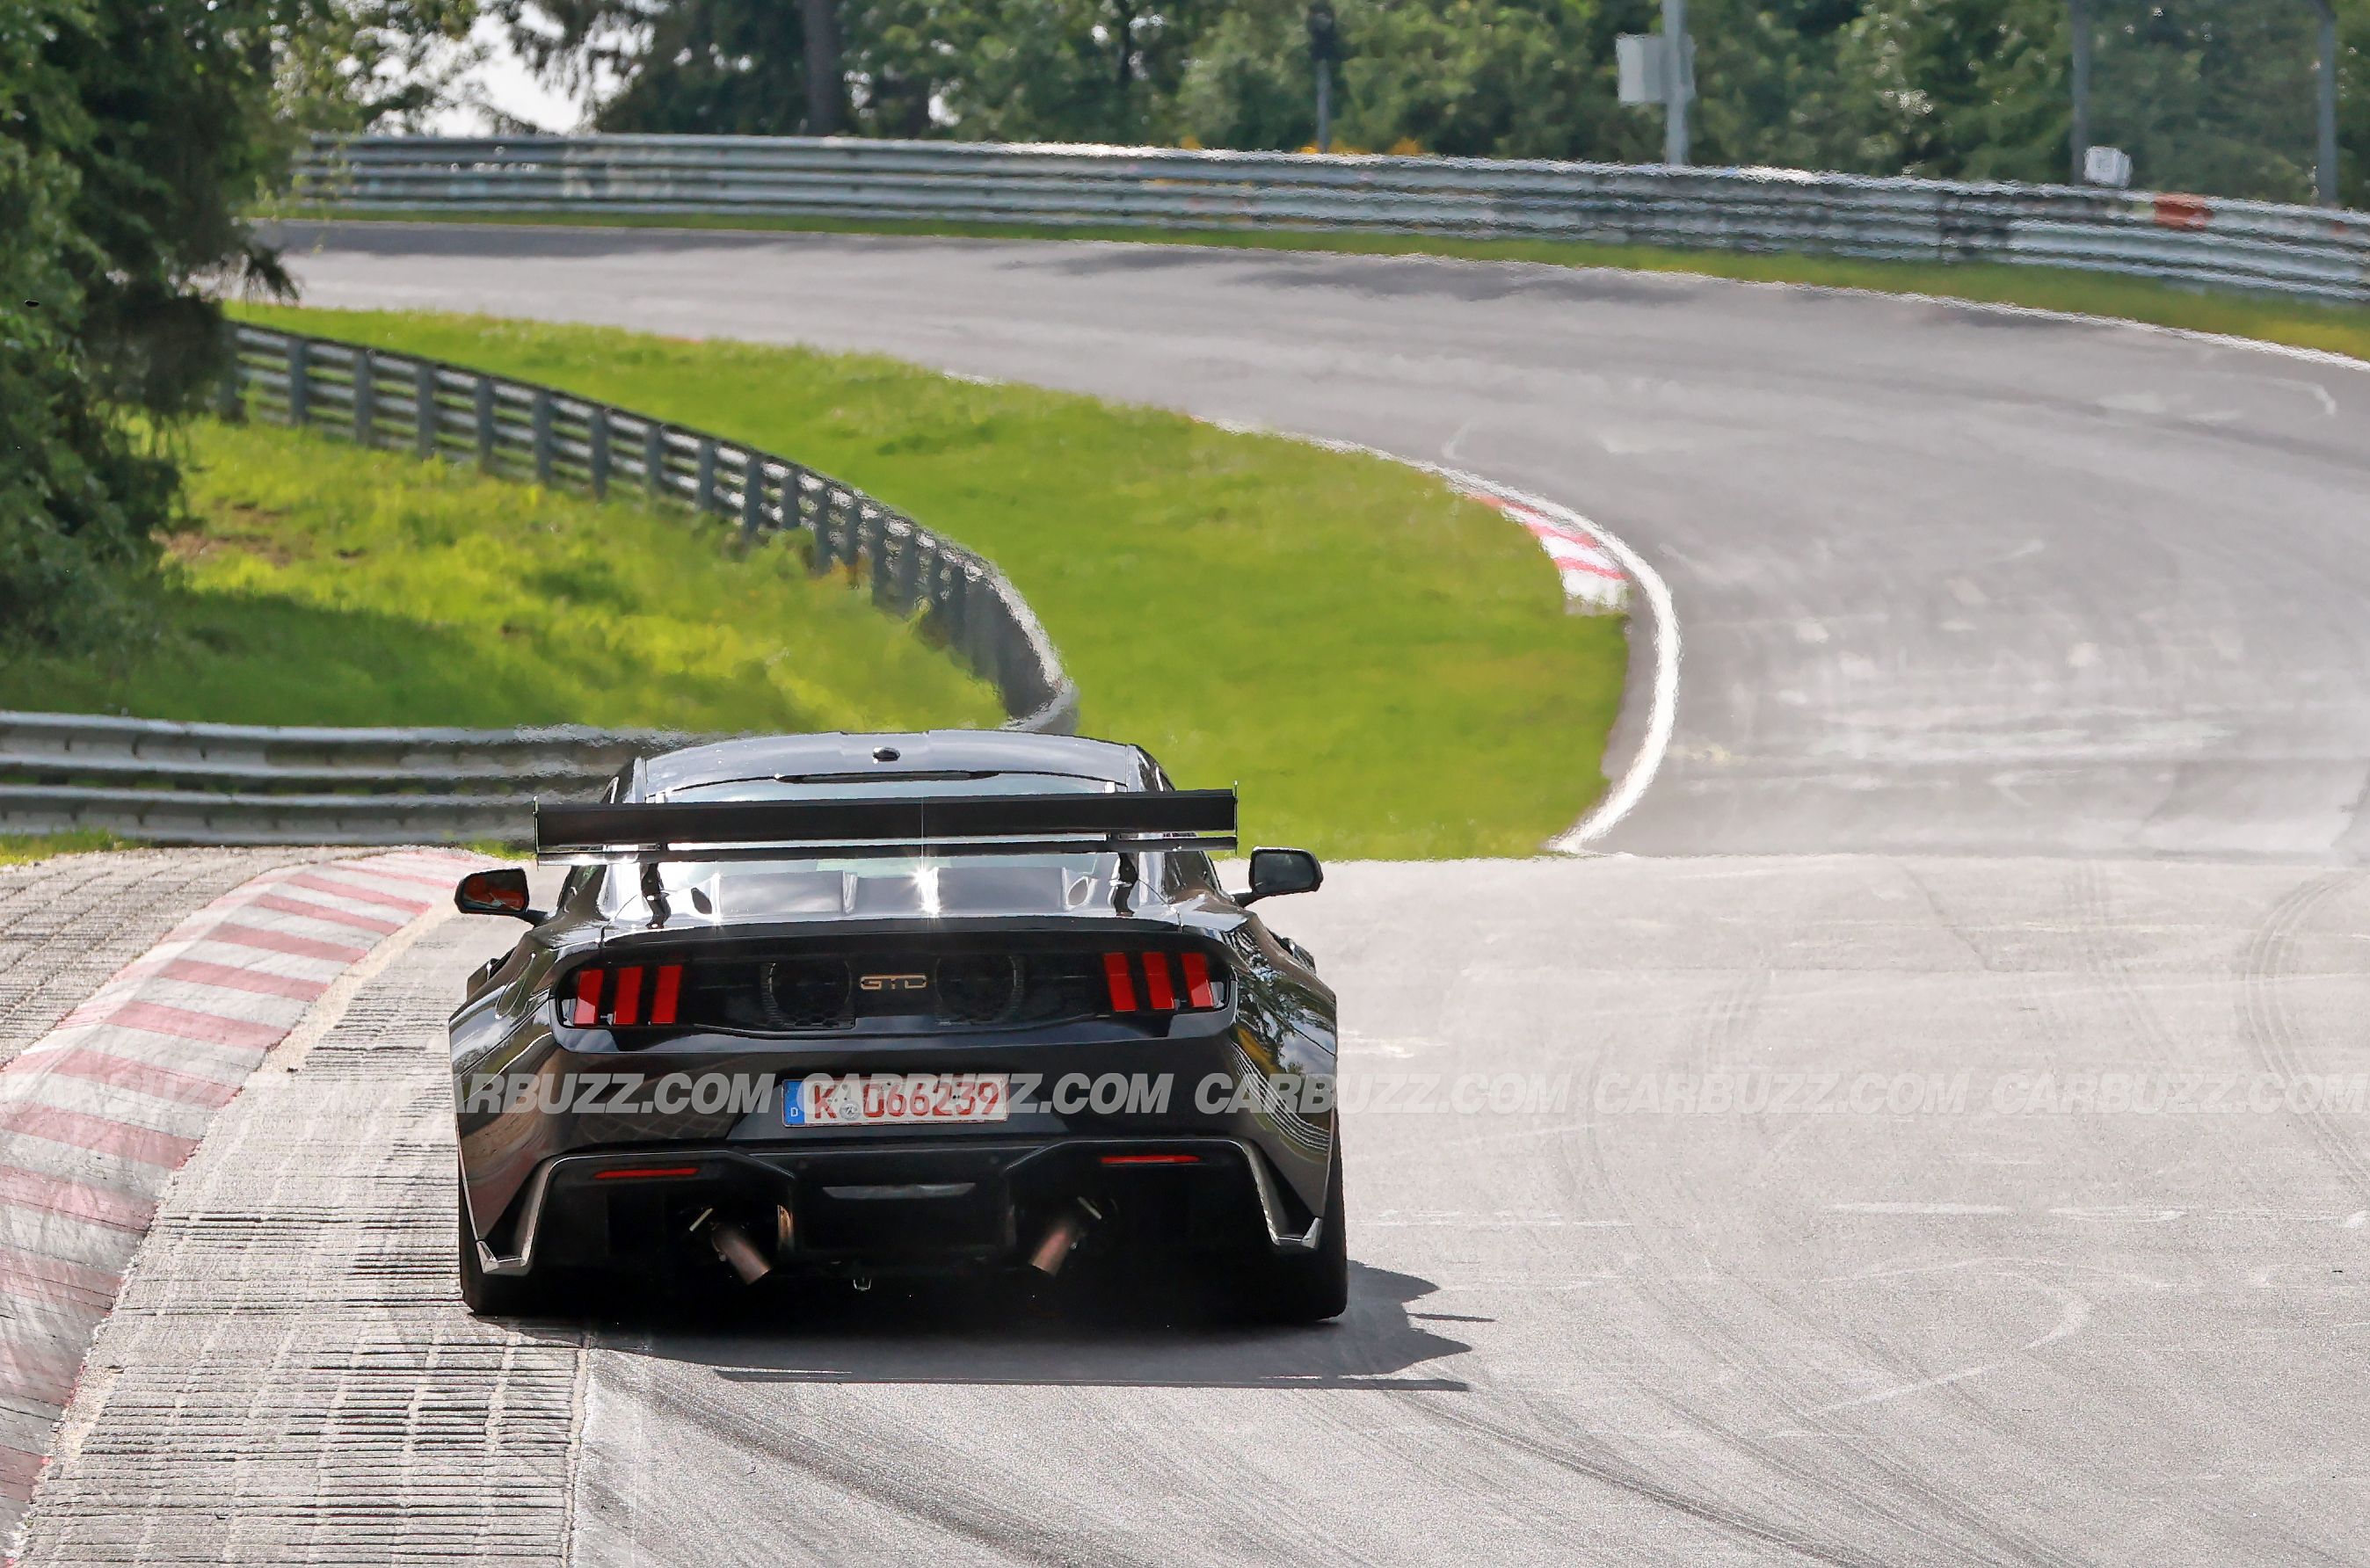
pixel 614 996
pixel 1171 982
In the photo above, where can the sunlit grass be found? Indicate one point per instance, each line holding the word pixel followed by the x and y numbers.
pixel 323 584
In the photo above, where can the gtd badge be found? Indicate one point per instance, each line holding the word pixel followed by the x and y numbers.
pixel 892 982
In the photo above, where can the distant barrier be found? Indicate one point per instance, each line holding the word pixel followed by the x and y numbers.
pixel 2313 252
pixel 223 784
pixel 213 784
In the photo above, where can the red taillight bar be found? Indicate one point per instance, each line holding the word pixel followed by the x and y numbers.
pixel 645 1173
pixel 623 1007
pixel 588 999
pixel 1122 982
pixel 1160 982
pixel 1197 980
pixel 1162 995
pixel 1152 1159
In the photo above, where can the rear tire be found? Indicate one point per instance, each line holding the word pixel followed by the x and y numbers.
pixel 1304 1287
pixel 492 1295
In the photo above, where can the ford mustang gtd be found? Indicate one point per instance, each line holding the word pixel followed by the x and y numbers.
pixel 865 1005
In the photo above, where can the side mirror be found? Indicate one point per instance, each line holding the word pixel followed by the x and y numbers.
pixel 1275 872
pixel 501 891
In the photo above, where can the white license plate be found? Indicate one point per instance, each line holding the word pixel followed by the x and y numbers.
pixel 896 1099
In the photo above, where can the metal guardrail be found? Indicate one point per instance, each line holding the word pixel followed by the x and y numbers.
pixel 205 784
pixel 224 784
pixel 2308 251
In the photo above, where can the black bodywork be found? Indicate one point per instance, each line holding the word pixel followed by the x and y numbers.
pixel 995 977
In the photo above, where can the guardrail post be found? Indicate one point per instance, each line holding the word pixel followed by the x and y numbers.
pixel 703 489
pixel 484 411
pixel 424 416
pixel 910 569
pixel 365 398
pixel 596 431
pixel 299 380
pixel 954 608
pixel 654 458
pixel 753 496
pixel 818 558
pixel 542 436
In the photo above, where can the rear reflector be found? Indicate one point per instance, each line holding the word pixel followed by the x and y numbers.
pixel 628 1008
pixel 644 1173
pixel 1122 983
pixel 1152 1159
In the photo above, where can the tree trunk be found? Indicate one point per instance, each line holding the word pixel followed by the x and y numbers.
pixel 827 88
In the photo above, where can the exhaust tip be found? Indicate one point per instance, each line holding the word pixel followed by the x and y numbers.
pixel 733 1245
pixel 1053 1249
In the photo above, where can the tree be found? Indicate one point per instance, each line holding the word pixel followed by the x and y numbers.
pixel 716 67
pixel 132 137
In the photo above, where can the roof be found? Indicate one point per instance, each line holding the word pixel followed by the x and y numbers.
pixel 924 751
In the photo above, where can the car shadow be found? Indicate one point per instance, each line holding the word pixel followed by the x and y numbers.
pixel 1108 1332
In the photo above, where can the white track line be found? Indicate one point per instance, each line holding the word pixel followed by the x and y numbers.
pixel 1663 712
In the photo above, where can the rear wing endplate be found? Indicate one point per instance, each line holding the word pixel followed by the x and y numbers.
pixel 899 826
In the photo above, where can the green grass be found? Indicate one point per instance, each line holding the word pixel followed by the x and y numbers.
pixel 2342 330
pixel 323 584
pixel 17 849
pixel 1384 667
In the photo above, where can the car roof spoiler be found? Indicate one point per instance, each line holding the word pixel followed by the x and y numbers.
pixel 892 826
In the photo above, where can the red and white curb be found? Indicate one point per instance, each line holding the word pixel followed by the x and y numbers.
pixel 1594 581
pixel 97 1115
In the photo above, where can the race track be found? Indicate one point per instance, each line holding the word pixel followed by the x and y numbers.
pixel 2022 736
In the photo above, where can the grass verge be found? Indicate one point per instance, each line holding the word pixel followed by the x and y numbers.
pixel 2341 329
pixel 323 584
pixel 18 849
pixel 1384 667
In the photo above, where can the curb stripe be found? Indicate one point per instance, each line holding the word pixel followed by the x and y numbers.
pixel 317 883
pixel 54 1124
pixel 285 941
pixel 262 982
pixel 355 918
pixel 76 1200
pixel 208 1028
pixel 142 1078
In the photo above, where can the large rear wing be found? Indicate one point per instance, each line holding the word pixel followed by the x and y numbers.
pixel 905 826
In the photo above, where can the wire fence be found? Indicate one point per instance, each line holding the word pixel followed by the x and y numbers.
pixel 2257 246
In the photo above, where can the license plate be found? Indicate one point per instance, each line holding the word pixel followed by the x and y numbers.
pixel 896 1099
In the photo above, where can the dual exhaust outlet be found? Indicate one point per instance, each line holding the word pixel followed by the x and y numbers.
pixel 740 1251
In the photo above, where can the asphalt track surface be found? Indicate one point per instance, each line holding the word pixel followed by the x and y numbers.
pixel 2021 737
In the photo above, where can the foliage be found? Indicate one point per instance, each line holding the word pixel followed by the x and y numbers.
pixel 386 65
pixel 132 137
pixel 2207 95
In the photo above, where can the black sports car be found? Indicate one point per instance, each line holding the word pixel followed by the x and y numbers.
pixel 863 1005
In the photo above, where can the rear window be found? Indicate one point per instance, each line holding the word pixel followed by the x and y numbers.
pixel 822 887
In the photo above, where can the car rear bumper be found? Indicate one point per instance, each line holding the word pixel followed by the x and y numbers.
pixel 917 1205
